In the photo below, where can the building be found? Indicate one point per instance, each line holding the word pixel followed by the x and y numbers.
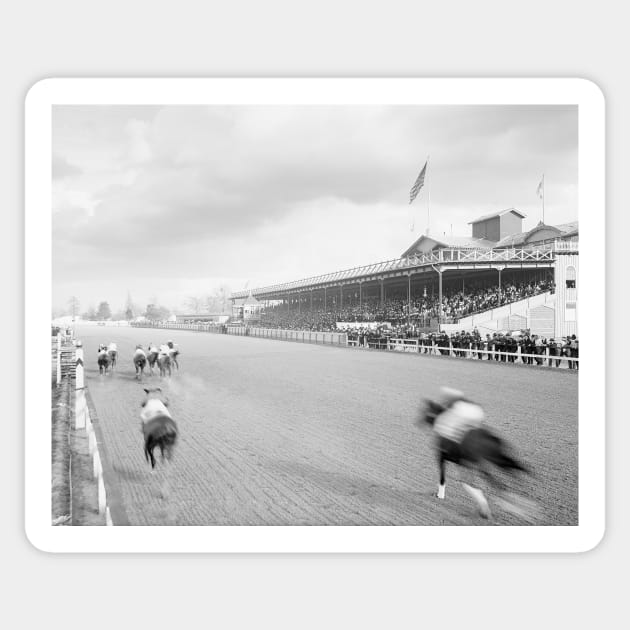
pixel 496 252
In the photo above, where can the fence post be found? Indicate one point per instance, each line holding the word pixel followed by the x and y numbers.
pixel 59 358
pixel 80 403
pixel 450 348
pixel 548 354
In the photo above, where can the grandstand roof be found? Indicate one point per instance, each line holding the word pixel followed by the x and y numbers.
pixel 568 228
pixel 250 300
pixel 427 243
pixel 485 217
pixel 546 232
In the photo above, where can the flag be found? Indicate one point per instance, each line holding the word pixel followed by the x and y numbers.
pixel 540 191
pixel 415 189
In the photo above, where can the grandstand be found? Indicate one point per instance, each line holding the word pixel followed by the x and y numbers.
pixel 499 278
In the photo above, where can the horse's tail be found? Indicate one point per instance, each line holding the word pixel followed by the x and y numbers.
pixel 497 452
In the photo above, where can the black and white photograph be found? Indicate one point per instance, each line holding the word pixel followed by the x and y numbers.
pixel 315 314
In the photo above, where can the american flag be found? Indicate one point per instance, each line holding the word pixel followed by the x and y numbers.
pixel 415 189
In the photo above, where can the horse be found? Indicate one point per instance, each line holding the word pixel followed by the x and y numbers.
pixel 173 353
pixel 103 360
pixel 479 451
pixel 152 357
pixel 158 427
pixel 112 351
pixel 139 361
pixel 164 361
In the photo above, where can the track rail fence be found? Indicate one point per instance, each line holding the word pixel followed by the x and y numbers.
pixel 418 346
pixel 83 422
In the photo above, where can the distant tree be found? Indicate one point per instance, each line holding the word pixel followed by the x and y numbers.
pixel 129 307
pixel 103 311
pixel 217 302
pixel 90 314
pixel 156 312
pixel 74 305
pixel 196 304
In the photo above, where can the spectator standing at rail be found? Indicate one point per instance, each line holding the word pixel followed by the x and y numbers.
pixel 538 349
pixel 566 350
pixel 574 351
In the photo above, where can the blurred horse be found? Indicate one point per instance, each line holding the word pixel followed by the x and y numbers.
pixel 139 361
pixel 103 360
pixel 152 357
pixel 173 353
pixel 164 360
pixel 158 427
pixel 478 451
pixel 112 351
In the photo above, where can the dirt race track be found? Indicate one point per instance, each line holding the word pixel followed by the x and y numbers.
pixel 282 433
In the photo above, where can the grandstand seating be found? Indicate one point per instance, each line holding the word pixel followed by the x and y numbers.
pixel 422 315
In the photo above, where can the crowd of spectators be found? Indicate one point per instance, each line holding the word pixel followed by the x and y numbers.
pixel 522 346
pixel 406 316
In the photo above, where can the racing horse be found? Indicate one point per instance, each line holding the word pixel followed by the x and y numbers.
pixel 158 427
pixel 112 352
pixel 103 359
pixel 173 353
pixel 152 356
pixel 139 361
pixel 479 451
pixel 164 360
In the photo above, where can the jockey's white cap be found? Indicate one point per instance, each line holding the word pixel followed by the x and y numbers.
pixel 449 394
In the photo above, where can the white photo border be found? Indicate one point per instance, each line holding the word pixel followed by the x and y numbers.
pixel 342 91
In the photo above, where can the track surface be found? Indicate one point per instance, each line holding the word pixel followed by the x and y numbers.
pixel 282 433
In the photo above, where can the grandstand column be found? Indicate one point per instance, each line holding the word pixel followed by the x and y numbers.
pixel 382 292
pixel 324 298
pixel 341 296
pixel 360 298
pixel 408 298
pixel 299 302
pixel 311 299
pixel 439 272
pixel 499 268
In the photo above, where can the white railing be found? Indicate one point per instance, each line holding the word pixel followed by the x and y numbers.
pixel 449 255
pixel 83 422
pixel 420 346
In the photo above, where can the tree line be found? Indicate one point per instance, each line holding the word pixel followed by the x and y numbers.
pixel 216 302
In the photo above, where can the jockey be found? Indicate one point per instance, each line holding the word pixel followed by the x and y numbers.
pixel 164 349
pixel 139 351
pixel 112 347
pixel 459 416
pixel 173 349
pixel 153 348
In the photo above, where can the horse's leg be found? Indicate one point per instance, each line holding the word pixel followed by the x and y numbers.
pixel 152 456
pixel 442 487
pixel 476 493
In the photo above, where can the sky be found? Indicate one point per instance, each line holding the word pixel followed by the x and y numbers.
pixel 167 203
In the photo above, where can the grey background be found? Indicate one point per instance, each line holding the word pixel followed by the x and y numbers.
pixel 282 38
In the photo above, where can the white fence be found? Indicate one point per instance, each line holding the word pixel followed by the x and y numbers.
pixel 83 422
pixel 304 336
pixel 420 346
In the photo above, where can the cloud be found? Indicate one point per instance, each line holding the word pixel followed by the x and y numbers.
pixel 270 192
pixel 61 168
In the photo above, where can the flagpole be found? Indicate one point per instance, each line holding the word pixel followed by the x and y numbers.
pixel 428 199
pixel 543 197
